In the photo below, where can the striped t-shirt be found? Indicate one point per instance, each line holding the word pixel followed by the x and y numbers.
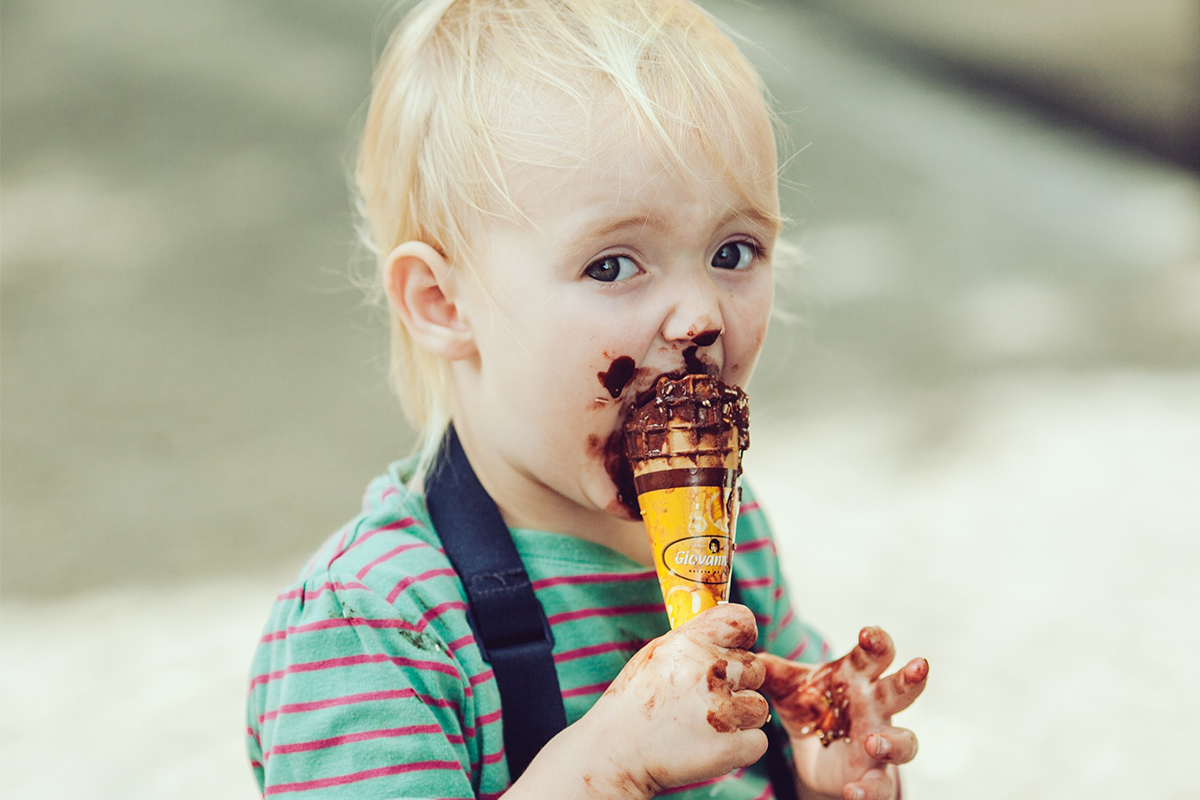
pixel 368 683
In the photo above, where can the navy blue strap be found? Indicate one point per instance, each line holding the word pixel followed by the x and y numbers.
pixel 779 768
pixel 507 618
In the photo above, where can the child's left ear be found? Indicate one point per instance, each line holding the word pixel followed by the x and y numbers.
pixel 422 290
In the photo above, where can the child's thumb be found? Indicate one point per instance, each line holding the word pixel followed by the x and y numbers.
pixel 729 625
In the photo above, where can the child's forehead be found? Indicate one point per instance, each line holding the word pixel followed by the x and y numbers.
pixel 607 151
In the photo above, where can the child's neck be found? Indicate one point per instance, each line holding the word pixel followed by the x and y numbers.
pixel 625 537
pixel 527 503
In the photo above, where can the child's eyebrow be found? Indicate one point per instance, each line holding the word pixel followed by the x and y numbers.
pixel 659 225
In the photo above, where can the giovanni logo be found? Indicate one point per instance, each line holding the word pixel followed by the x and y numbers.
pixel 700 559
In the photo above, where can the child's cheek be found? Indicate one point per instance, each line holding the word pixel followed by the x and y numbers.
pixel 604 444
pixel 609 452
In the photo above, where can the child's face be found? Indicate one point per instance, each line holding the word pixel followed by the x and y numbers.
pixel 619 260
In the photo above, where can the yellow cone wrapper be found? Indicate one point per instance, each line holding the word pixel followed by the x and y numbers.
pixel 685 445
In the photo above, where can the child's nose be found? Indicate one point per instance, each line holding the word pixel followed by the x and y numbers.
pixel 695 313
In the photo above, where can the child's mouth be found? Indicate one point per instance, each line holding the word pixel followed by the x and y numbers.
pixel 697 365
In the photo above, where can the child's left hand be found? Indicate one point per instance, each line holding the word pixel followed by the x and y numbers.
pixel 847 699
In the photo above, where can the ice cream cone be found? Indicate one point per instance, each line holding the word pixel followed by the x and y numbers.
pixel 684 445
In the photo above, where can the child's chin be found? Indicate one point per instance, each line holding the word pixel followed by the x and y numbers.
pixel 623 511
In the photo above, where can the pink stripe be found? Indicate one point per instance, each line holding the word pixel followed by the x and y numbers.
pixel 352 661
pixel 486 675
pixel 411 579
pixel 400 624
pixel 594 577
pixel 324 624
pixel 824 650
pixel 461 641
pixel 595 688
pixel 489 718
pixel 778 593
pixel 344 548
pixel 748 508
pixel 255 764
pixel 438 610
pixel 390 554
pixel 367 774
pixel 388 492
pixel 486 719
pixel 783 623
pixel 754 544
pixel 327 586
pixel 602 611
pixel 596 649
pixel 351 699
pixel 341 548
pixel 755 583
pixel 800 648
pixel 493 758
pixel 350 738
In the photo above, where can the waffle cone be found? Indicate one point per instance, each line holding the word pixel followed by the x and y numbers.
pixel 685 450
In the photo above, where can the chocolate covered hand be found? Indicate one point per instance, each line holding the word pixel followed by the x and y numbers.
pixel 684 709
pixel 838 716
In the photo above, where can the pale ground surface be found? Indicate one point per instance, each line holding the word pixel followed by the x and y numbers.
pixel 983 433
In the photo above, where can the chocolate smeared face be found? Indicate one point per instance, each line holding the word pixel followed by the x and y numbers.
pixel 617 266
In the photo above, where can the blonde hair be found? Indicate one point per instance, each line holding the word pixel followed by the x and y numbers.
pixel 431 162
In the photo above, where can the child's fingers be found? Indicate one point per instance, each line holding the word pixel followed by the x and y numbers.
pixel 874 652
pixel 745 670
pixel 730 625
pixel 749 746
pixel 893 745
pixel 782 676
pixel 875 784
pixel 749 710
pixel 897 691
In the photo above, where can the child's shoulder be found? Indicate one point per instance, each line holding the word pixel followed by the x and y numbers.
pixel 389 547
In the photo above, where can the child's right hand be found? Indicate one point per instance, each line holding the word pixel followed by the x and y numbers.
pixel 684 708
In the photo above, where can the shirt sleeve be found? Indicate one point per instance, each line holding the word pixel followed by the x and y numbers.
pixel 352 697
pixel 760 579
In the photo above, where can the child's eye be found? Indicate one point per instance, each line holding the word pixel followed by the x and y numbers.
pixel 734 255
pixel 611 269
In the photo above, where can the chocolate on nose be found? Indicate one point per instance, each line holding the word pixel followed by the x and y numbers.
pixel 705 338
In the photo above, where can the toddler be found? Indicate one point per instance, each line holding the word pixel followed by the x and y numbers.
pixel 567 198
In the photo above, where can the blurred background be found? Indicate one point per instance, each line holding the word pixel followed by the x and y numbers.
pixel 978 423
